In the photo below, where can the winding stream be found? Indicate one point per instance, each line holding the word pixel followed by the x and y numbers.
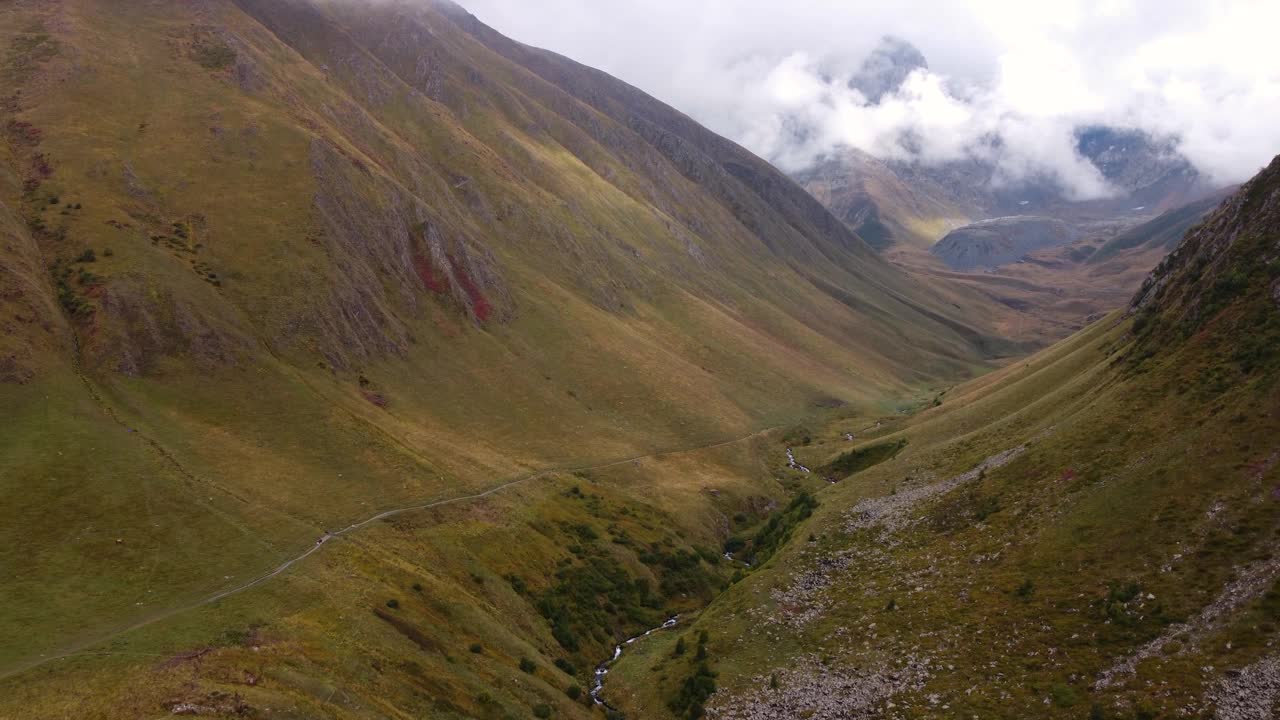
pixel 603 668
pixel 791 462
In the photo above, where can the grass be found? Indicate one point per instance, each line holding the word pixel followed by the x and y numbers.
pixel 203 394
pixel 1036 576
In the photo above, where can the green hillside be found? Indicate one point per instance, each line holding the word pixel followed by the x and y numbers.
pixel 359 362
pixel 270 269
pixel 1086 533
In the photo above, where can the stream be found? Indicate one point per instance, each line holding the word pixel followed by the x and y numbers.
pixel 603 668
pixel 791 462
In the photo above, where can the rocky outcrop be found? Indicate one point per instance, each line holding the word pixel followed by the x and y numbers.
pixel 887 67
pixel 1216 260
pixel 1000 241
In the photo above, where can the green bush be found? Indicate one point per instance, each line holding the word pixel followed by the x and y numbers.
pixel 1026 589
pixel 393 603
pixel 476 648
pixel 214 57
pixel 527 665
pixel 573 691
pixel 857 460
pixel 693 694
pixel 542 711
pixel 782 523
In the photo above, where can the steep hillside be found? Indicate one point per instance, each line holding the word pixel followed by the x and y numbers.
pixel 1164 232
pixel 890 203
pixel 1087 533
pixel 273 269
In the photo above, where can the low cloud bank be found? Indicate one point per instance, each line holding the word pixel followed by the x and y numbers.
pixel 1006 82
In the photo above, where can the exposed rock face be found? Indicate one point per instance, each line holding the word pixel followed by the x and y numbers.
pixel 143 322
pixel 887 67
pixel 1210 264
pixel 999 241
pixel 1146 168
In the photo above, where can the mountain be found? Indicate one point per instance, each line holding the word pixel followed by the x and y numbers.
pixel 914 204
pixel 1087 532
pixel 889 203
pixel 909 203
pixel 341 339
pixel 1164 232
pixel 989 243
pixel 887 67
pixel 360 362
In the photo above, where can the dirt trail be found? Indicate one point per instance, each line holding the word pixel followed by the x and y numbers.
pixel 78 648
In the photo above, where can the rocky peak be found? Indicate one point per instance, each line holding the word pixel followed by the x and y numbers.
pixel 887 67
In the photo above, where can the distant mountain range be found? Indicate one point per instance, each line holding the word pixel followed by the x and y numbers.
pixel 902 202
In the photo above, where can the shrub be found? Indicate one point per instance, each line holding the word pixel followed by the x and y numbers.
pixel 1064 695
pixel 393 603
pixel 573 691
pixel 476 648
pixel 87 256
pixel 527 665
pixel 214 57
pixel 566 666
pixel 694 692
pixel 858 460
pixel 518 584
pixel 1026 588
pixel 108 252
pixel 542 711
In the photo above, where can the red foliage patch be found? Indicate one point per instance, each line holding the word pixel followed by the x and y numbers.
pixel 479 304
pixel 40 166
pixel 376 398
pixel 1070 474
pixel 427 274
pixel 24 132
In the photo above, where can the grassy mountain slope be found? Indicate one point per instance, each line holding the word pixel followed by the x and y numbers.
pixel 1086 533
pixel 270 268
pixel 1163 232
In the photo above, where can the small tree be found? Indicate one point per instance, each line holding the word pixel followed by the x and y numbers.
pixel 527 665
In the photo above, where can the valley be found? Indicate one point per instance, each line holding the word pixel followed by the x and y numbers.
pixel 358 361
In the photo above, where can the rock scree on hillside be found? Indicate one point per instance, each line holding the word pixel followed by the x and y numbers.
pixel 1000 241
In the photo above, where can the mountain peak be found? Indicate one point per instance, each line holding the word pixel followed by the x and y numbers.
pixel 887 67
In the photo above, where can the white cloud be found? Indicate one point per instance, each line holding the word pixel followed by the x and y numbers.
pixel 773 75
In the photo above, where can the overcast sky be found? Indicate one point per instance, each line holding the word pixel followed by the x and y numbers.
pixel 759 70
